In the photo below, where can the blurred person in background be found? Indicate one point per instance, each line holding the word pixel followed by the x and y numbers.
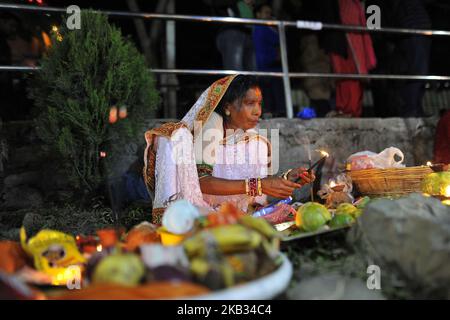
pixel 313 58
pixel 405 54
pixel 234 41
pixel 358 57
pixel 442 139
pixel 268 58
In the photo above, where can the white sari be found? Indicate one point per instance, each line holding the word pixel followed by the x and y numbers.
pixel 177 152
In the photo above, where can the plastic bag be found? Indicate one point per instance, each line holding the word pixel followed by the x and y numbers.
pixel 382 160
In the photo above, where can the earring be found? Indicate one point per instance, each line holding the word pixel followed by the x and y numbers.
pixel 227 113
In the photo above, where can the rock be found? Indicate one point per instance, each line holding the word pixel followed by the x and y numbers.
pixel 25 178
pixel 409 236
pixel 333 286
pixel 22 197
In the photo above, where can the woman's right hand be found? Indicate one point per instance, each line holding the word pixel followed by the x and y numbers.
pixel 278 187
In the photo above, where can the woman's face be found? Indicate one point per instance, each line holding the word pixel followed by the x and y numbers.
pixel 245 116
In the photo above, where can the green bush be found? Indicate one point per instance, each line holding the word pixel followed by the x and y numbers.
pixel 85 74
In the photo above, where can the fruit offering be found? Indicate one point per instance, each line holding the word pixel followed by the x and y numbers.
pixel 311 216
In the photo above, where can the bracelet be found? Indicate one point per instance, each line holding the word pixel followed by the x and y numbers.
pixel 253 187
pixel 259 187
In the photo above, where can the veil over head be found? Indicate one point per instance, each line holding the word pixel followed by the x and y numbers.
pixel 157 160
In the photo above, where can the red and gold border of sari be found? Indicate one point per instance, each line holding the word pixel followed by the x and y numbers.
pixel 215 94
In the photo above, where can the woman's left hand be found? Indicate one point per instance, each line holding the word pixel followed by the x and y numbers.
pixel 302 175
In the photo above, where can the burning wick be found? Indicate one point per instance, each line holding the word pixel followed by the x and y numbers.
pixel 429 164
pixel 99 248
pixel 324 153
pixel 332 184
pixel 102 154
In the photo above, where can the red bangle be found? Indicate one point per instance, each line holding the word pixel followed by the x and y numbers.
pixel 252 187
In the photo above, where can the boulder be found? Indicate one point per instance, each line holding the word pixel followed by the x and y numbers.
pixel 411 238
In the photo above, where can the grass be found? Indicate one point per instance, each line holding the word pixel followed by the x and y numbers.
pixel 71 219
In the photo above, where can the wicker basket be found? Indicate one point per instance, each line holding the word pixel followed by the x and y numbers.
pixel 386 182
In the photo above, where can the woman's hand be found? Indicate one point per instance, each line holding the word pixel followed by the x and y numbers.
pixel 303 175
pixel 278 187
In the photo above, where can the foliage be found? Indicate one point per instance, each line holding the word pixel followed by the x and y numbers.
pixel 86 73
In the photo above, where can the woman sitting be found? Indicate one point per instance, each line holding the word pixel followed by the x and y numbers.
pixel 215 154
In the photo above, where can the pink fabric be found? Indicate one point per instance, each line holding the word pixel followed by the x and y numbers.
pixel 361 48
pixel 442 140
pixel 349 93
pixel 361 59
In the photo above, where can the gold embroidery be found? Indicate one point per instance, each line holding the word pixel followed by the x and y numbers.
pixel 157 214
pixel 215 94
pixel 204 170
pixel 165 130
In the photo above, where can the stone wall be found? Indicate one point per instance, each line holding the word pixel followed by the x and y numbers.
pixel 341 137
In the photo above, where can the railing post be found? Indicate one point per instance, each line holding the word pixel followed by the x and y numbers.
pixel 285 66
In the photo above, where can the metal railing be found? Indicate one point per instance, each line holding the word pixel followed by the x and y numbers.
pixel 285 74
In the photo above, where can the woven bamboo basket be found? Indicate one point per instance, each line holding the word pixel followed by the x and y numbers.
pixel 387 182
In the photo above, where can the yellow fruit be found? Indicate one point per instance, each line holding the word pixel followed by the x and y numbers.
pixel 313 216
pixel 228 238
pixel 125 269
pixel 259 224
pixel 298 219
pixel 346 208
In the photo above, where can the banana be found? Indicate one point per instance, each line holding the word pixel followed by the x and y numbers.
pixel 227 238
pixel 260 225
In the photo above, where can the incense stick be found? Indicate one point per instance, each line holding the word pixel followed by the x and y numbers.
pixel 310 162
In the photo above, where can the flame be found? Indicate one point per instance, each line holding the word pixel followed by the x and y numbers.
pixel 429 163
pixel 54 28
pixel 99 248
pixel 102 154
pixel 324 153
pixel 332 184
